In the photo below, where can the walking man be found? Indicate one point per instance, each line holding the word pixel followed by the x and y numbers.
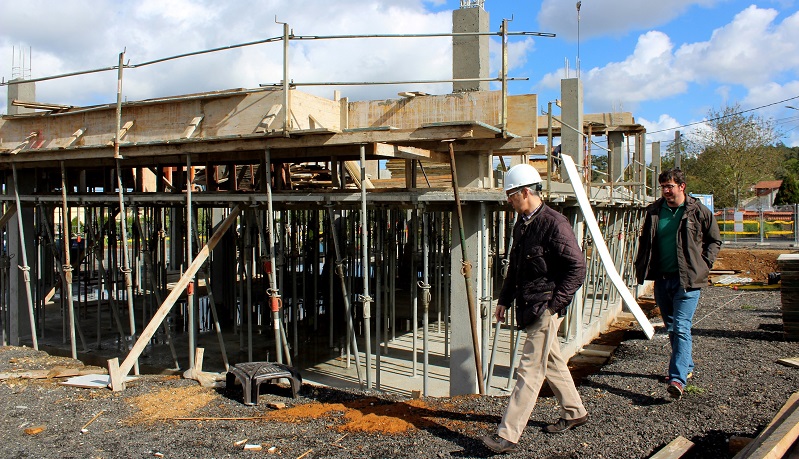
pixel 546 269
pixel 678 244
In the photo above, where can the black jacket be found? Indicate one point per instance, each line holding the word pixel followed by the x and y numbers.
pixel 698 243
pixel 546 266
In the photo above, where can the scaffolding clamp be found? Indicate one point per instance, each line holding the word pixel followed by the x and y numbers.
pixel 275 301
pixel 426 297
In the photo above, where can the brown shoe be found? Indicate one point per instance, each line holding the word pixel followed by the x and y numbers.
pixel 565 424
pixel 498 444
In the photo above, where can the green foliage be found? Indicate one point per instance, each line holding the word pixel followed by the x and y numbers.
pixel 788 192
pixel 733 153
pixel 599 168
pixel 692 389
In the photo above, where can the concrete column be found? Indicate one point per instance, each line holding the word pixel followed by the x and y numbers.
pixel 24 91
pixel 470 53
pixel 571 90
pixel 655 168
pixel 473 171
pixel 19 321
pixel 616 156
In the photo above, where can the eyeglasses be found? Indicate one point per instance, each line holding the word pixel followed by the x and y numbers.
pixel 668 187
pixel 510 195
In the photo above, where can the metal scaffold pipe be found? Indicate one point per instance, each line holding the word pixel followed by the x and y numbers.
pixel 467 273
pixel 189 257
pixel 425 288
pixel 340 273
pixel 365 298
pixel 67 266
pixel 275 302
pixel 26 276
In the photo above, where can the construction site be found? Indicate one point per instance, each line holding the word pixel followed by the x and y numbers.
pixel 357 243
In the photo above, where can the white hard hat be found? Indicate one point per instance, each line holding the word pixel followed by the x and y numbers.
pixel 521 175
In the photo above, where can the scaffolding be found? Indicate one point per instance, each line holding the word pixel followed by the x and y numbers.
pixel 249 215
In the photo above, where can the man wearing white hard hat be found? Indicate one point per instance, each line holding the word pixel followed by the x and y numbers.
pixel 546 269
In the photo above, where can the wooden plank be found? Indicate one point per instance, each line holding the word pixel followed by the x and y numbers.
pixel 124 368
pixel 388 151
pixel 780 440
pixel 676 448
pixel 74 137
pixel 792 402
pixel 12 209
pixel 789 361
pixel 55 372
pixel 192 127
pixel 354 169
pixel 270 117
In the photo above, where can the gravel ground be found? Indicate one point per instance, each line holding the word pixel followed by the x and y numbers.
pixel 737 389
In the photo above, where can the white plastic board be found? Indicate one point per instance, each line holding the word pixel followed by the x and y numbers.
pixel 602 248
pixel 92 381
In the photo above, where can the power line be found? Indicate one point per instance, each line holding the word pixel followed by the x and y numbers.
pixel 723 116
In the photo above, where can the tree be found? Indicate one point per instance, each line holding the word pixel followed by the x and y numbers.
pixel 788 192
pixel 732 153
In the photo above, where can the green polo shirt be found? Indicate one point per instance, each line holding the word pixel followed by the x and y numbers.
pixel 668 223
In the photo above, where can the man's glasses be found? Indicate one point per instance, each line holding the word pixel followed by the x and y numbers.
pixel 510 195
pixel 668 187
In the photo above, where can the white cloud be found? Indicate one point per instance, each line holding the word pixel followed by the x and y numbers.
pixel 750 50
pixel 647 74
pixel 81 35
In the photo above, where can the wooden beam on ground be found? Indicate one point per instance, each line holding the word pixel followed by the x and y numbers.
pixel 117 371
pixel 788 411
pixel 677 448
pixel 788 361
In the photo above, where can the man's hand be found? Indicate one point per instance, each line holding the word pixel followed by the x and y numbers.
pixel 499 314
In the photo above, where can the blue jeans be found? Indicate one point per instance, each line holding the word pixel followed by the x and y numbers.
pixel 677 307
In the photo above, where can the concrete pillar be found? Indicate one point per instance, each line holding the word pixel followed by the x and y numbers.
pixel 473 171
pixel 571 90
pixel 24 91
pixel 655 168
pixel 19 321
pixel 616 156
pixel 470 53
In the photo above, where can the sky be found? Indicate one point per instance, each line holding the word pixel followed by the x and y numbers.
pixel 668 62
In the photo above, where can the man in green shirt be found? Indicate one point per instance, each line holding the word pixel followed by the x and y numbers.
pixel 678 244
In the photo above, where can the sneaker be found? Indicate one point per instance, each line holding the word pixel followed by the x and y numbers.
pixel 565 424
pixel 675 389
pixel 498 444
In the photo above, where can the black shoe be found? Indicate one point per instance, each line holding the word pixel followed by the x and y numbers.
pixel 565 424
pixel 498 444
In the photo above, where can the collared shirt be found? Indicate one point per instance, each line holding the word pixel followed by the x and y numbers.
pixel 527 217
pixel 668 223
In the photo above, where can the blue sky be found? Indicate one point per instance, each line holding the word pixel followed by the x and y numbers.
pixel 667 62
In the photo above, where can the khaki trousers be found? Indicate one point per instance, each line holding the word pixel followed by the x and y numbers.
pixel 541 358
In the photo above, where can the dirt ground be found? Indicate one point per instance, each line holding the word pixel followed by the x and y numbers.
pixel 738 334
pixel 756 263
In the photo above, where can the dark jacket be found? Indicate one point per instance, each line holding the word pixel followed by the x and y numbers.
pixel 546 266
pixel 698 243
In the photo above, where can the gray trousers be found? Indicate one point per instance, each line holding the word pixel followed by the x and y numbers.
pixel 541 358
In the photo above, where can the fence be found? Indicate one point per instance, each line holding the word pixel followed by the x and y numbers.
pixel 740 225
